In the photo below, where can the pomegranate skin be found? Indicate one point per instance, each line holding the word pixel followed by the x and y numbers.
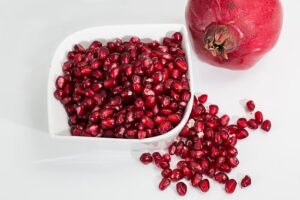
pixel 253 28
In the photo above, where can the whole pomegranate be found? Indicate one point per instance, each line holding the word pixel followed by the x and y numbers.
pixel 233 34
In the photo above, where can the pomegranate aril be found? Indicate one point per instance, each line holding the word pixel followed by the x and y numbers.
pixel 224 120
pixel 266 125
pixel 146 158
pixel 165 182
pixel 233 162
pixel 250 105
pixel 181 188
pixel 60 82
pixel 246 181
pixel 166 157
pixel 242 122
pixel 166 173
pixel 221 177
pixel 252 124
pixel 230 186
pixel 93 130
pixel 176 175
pixel 213 109
pixel 187 172
pixel 241 134
pixel 259 117
pixel 177 37
pixel 196 179
pixel 202 98
pixel 204 185
pixel 59 94
pixel 165 127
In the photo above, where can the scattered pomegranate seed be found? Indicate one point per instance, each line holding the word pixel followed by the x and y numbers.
pixel 181 188
pixel 165 182
pixel 250 105
pixel 202 98
pixel 126 89
pixel 259 117
pixel 230 186
pixel 204 185
pixel 166 173
pixel 146 158
pixel 246 181
pixel 266 125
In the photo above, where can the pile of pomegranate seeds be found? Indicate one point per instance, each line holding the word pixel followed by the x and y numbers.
pixel 206 148
pixel 126 89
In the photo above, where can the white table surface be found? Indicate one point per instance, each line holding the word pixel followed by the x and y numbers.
pixel 33 166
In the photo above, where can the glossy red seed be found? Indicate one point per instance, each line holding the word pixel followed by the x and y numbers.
pixel 181 188
pixel 259 117
pixel 181 64
pixel 146 158
pixel 233 161
pixel 250 105
pixel 202 98
pixel 230 186
pixel 204 185
pixel 246 181
pixel 177 36
pixel 176 175
pixel 221 177
pixel 166 173
pixel 213 109
pixel 266 125
pixel 187 172
pixel 165 182
pixel 165 127
pixel 242 122
pixel 196 180
pixel 224 120
pixel 252 124
pixel 241 134
pixel 166 157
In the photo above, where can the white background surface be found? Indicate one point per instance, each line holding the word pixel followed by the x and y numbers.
pixel 33 166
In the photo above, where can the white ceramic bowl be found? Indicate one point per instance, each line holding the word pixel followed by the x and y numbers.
pixel 57 117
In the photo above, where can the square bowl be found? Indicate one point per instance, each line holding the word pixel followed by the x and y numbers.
pixel 57 117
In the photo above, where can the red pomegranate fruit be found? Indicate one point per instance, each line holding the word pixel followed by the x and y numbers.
pixel 233 34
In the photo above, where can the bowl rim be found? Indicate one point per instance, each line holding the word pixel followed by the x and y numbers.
pixel 172 132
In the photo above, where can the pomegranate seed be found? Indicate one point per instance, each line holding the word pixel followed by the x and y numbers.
pixel 202 98
pixel 181 64
pixel 177 37
pixel 213 109
pixel 187 172
pixel 196 180
pixel 250 105
pixel 252 124
pixel 59 94
pixel 233 161
pixel 246 181
pixel 266 125
pixel 224 120
pixel 221 177
pixel 259 117
pixel 181 188
pixel 165 182
pixel 176 175
pixel 242 122
pixel 230 186
pixel 165 127
pixel 163 164
pixel 166 157
pixel 166 173
pixel 146 158
pixel 241 134
pixel 204 185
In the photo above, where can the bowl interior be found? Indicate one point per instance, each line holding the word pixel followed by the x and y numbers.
pixel 57 117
